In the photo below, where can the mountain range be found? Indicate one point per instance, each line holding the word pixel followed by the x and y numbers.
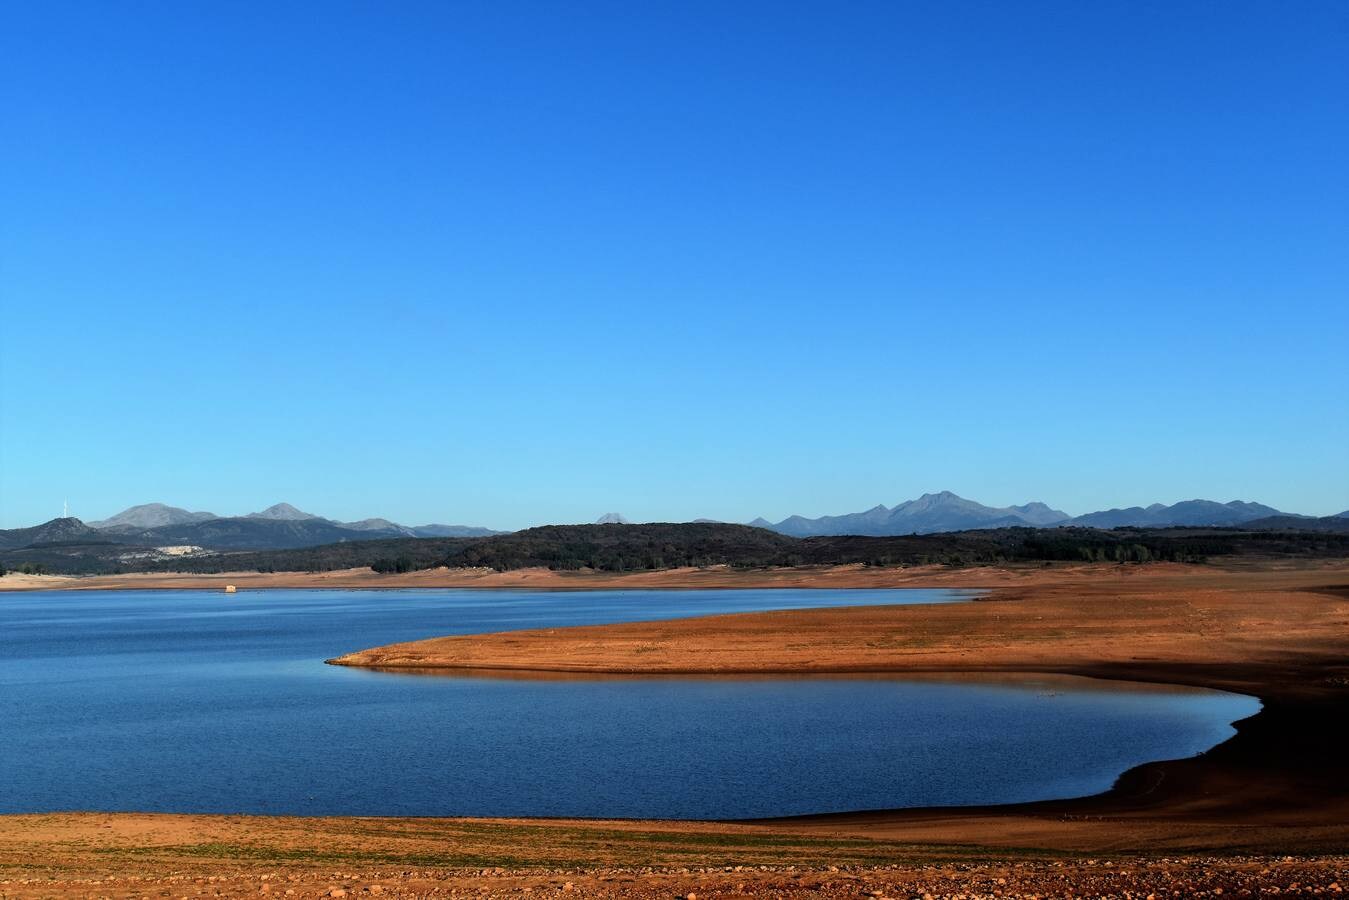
pixel 284 527
pixel 57 531
pixel 946 511
pixel 280 526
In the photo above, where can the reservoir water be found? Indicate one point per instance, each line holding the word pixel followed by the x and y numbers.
pixel 204 702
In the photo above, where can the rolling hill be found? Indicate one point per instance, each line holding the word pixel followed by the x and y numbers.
pixel 1299 523
pixel 57 531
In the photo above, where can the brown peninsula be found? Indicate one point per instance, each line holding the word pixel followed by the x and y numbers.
pixel 1277 631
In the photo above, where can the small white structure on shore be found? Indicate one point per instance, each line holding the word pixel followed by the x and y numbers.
pixel 230 589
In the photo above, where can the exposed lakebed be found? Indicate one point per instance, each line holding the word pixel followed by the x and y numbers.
pixel 203 702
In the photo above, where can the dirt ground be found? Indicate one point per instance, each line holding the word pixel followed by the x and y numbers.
pixel 1032 619
pixel 132 856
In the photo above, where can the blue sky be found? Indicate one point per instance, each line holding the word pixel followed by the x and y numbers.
pixel 513 263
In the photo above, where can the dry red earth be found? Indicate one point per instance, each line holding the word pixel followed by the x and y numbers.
pixel 133 856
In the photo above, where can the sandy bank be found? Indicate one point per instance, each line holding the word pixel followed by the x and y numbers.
pixel 1280 633
pixel 712 577
pixel 1036 620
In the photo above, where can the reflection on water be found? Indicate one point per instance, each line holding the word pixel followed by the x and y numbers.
pixel 182 701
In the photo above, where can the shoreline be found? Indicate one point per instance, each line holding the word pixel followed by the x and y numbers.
pixel 1129 786
pixel 1280 635
pixel 1230 817
pixel 843 577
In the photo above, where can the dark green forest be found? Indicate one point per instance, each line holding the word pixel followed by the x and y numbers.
pixel 634 548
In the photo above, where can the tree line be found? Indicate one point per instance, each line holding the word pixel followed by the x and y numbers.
pixel 633 548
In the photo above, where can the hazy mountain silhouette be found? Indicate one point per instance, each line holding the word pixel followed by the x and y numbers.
pixel 284 512
pixel 152 515
pixel 428 531
pixel 278 527
pixel 1186 512
pixel 943 511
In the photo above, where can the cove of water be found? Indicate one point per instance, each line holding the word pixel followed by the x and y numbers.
pixel 189 701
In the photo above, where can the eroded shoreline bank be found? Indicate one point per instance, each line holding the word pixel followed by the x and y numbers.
pixel 1280 634
pixel 843 577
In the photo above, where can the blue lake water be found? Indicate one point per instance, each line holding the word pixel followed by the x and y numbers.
pixel 204 702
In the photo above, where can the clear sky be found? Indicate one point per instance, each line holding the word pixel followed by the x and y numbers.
pixel 511 263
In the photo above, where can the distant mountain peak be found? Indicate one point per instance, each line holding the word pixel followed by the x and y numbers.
pixel 63 530
pixel 931 512
pixel 152 515
pixel 376 524
pixel 612 518
pixel 282 511
pixel 1186 512
pixel 948 511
